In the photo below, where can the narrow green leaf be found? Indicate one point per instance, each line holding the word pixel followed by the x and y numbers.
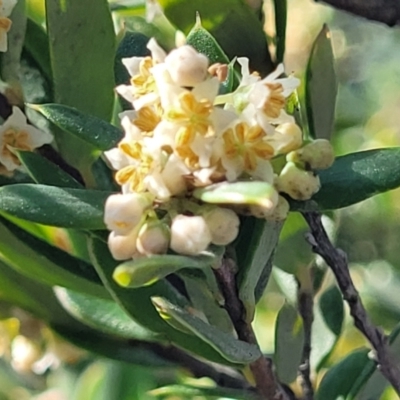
pixel 354 178
pixel 90 129
pixel 46 264
pixel 82 49
pixel 146 271
pixel 103 315
pixel 280 28
pixel 137 303
pixel 321 86
pixel 232 23
pixel 251 192
pixel 331 305
pixel 54 206
pixel 234 350
pixel 289 341
pixel 44 171
pixel 254 250
pixel 338 381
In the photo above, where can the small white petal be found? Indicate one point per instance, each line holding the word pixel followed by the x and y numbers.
pixel 157 53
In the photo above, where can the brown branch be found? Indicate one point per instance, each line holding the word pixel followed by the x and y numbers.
pixel 337 261
pixel 266 383
pixel 385 11
pixel 305 305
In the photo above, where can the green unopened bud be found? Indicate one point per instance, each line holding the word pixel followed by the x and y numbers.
pixel 318 154
pixel 189 235
pixel 297 183
pixel 223 224
pixel 153 238
pixel 123 247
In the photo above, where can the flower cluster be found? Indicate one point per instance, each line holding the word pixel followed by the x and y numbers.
pixel 6 7
pixel 15 133
pixel 182 135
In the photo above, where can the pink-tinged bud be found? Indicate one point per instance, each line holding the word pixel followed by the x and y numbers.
pixel 189 235
pixel 223 224
pixel 123 247
pixel 317 154
pixel 124 211
pixel 297 183
pixel 153 238
pixel 186 66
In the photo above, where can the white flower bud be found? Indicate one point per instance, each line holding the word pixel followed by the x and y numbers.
pixel 189 235
pixel 186 66
pixel 124 211
pixel 223 224
pixel 123 247
pixel 317 154
pixel 281 210
pixel 153 238
pixel 297 183
pixel 292 137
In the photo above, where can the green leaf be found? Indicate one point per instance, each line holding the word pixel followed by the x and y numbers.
pixel 146 271
pixel 256 246
pixel 192 392
pixel 327 325
pixel 321 86
pixel 44 263
pixel 337 382
pixel 103 315
pixel 137 303
pixel 234 350
pixel 354 178
pixel 254 192
pixel 280 28
pixel 231 22
pixel 82 49
pixel 54 206
pixel 289 341
pixel 44 171
pixel 37 45
pixel 88 128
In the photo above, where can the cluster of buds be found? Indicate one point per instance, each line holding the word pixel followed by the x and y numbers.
pixel 183 135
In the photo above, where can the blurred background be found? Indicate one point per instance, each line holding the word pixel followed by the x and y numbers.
pixel 39 366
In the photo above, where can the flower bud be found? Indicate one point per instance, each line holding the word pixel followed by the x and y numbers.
pixel 123 247
pixel 291 137
pixel 297 183
pixel 281 210
pixel 153 238
pixel 223 224
pixel 186 66
pixel 189 235
pixel 318 154
pixel 24 353
pixel 265 209
pixel 124 211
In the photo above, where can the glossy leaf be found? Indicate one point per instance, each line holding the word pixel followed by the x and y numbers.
pixel 83 70
pixel 90 129
pixel 289 341
pixel 39 261
pixel 256 246
pixel 331 305
pixel 103 315
pixel 44 171
pixel 231 22
pixel 234 350
pixel 280 28
pixel 50 205
pixel 337 382
pixel 321 86
pixel 145 271
pixel 137 303
pixel 252 192
pixel 354 178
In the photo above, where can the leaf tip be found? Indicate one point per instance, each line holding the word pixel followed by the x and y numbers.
pixel 122 277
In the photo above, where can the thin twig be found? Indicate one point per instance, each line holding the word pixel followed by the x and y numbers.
pixel 337 261
pixel 266 384
pixel 385 11
pixel 305 305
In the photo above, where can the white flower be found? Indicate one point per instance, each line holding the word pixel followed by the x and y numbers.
pixel 16 133
pixel 6 7
pixel 190 235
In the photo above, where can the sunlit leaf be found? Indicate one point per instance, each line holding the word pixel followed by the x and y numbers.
pixel 321 86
